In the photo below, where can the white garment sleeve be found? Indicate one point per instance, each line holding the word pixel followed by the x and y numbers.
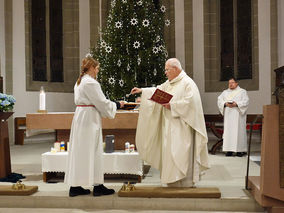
pixel 94 92
pixel 179 108
pixel 148 133
pixel 243 102
pixel 221 102
pixel 147 93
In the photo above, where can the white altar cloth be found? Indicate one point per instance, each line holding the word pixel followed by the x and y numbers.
pixel 114 163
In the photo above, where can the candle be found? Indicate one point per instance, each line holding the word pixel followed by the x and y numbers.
pixel 42 99
pixel 57 146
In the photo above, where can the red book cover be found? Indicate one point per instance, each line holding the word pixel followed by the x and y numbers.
pixel 161 97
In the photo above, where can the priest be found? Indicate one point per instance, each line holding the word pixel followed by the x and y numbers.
pixel 233 104
pixel 172 137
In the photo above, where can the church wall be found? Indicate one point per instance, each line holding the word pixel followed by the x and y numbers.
pixel 28 102
pixel 2 40
pixel 257 98
pixel 179 31
pixel 280 11
pixel 84 28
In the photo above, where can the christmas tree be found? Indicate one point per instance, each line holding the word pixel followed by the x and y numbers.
pixel 131 50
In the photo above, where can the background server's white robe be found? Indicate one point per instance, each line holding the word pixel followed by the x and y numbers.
pixel 84 167
pixel 235 135
pixel 166 138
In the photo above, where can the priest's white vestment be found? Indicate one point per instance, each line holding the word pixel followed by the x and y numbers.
pixel 174 141
pixel 85 163
pixel 234 135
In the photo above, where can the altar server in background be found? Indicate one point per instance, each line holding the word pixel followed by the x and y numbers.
pixel 233 104
pixel 85 163
pixel 172 137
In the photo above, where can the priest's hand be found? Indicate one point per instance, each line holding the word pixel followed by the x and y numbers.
pixel 234 104
pixel 167 106
pixel 228 104
pixel 231 105
pixel 136 90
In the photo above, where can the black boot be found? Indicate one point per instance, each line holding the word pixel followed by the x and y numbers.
pixel 78 190
pixel 102 190
pixel 229 154
pixel 241 154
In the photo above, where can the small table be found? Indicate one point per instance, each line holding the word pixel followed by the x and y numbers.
pixel 114 163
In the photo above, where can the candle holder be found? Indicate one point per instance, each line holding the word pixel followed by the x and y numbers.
pixel 42 111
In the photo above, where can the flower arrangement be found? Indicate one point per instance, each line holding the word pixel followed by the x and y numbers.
pixel 6 102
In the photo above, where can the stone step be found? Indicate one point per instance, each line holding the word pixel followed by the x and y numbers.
pixel 126 203
pixel 42 210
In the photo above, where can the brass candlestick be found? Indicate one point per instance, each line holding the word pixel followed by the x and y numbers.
pixel 18 186
pixel 127 188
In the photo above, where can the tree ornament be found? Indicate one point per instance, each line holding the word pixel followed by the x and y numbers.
pixel 155 50
pixel 158 38
pixel 155 72
pixel 136 44
pixel 118 24
pixel 88 55
pixel 163 8
pixel 111 80
pixel 161 48
pixel 119 62
pixel 167 22
pixel 138 60
pixel 145 23
pixel 113 3
pixel 108 49
pixel 139 3
pixel 121 82
pixel 103 43
pixel 134 21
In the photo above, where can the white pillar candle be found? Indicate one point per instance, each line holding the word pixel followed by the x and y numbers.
pixel 42 99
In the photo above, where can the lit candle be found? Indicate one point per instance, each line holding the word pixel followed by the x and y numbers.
pixel 42 99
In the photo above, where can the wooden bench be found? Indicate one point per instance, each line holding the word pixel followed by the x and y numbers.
pixel 19 131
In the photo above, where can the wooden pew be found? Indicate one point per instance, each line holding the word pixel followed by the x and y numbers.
pixel 266 188
pixel 212 119
pixel 19 130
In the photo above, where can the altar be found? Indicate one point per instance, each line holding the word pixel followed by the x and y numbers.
pixel 123 126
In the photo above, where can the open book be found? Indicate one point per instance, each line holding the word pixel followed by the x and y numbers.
pixel 161 97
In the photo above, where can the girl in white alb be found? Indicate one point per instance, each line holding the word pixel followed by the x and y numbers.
pixel 85 165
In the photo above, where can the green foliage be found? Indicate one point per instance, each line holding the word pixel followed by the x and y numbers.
pixel 131 50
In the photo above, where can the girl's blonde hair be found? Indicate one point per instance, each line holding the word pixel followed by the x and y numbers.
pixel 87 63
